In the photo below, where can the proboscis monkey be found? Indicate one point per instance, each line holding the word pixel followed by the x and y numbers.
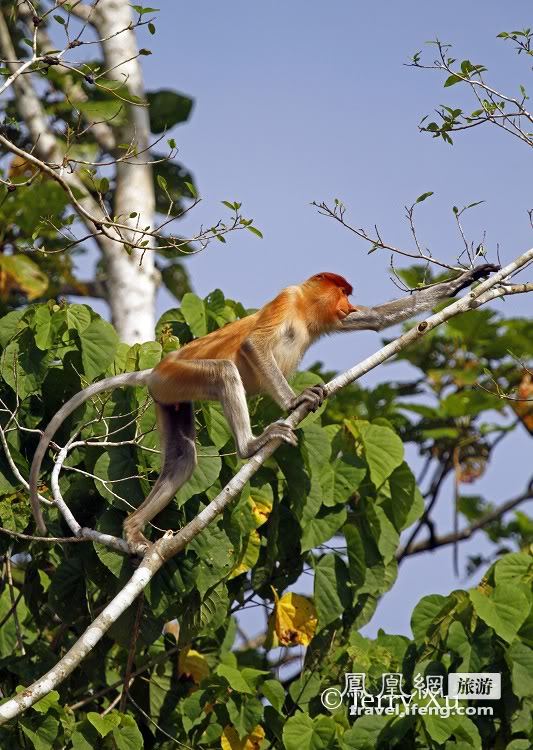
pixel 250 356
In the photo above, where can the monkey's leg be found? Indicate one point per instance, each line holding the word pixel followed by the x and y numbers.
pixel 178 379
pixel 177 434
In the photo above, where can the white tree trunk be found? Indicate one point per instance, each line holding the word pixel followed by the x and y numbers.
pixel 132 278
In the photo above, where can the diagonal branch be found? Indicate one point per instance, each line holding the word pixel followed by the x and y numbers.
pixel 494 515
pixel 172 543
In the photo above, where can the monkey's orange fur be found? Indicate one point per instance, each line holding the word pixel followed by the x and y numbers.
pixel 306 311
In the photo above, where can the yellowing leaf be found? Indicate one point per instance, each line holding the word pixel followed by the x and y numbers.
pixel 20 273
pixel 230 739
pixel 261 506
pixel 192 664
pixel 295 619
pixel 249 555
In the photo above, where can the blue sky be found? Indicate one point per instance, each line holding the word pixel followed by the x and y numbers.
pixel 304 101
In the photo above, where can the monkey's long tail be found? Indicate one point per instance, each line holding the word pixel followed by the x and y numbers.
pixel 127 378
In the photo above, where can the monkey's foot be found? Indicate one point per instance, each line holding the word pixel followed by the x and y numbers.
pixel 276 430
pixel 314 396
pixel 283 431
pixel 137 542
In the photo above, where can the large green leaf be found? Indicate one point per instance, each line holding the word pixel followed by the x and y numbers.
pixel 41 731
pixel 520 658
pixel 99 342
pixel 204 475
pixel 331 593
pixel 193 310
pixel 117 470
pixel 424 613
pixel 168 108
pixel 383 450
pixel 322 527
pixel 301 732
pixel 505 609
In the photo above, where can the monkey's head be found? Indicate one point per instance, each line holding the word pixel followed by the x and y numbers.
pixel 330 293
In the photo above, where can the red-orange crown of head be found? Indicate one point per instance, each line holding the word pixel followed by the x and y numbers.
pixel 335 279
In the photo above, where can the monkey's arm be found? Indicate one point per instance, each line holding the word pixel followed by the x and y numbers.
pixel 127 378
pixel 380 317
pixel 270 377
pixel 274 382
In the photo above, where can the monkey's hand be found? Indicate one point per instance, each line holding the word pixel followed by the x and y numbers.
pixel 276 430
pixel 314 396
pixel 480 272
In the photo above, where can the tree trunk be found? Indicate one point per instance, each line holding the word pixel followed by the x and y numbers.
pixel 132 277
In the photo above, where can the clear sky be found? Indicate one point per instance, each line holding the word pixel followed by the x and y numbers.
pixel 302 101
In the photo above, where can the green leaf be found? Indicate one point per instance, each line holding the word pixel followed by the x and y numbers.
pixel 322 527
pixel 205 474
pixel 424 613
pixel 356 554
pixel 451 80
pixel 439 728
pixel 504 610
pixel 103 724
pixel 191 189
pixel 274 693
pixel 255 230
pixel 115 466
pixel 77 317
pixel 193 310
pixel 143 10
pixel 383 451
pixel 365 733
pixel 466 733
pixel 171 180
pixel 520 658
pixel 49 701
pixel 216 423
pixel 331 594
pixel 128 735
pixel 423 196
pixel 235 679
pixel 403 502
pixel 513 567
pixel 99 342
pixel 10 324
pixel 41 731
pixel 103 110
pixel 245 712
pixel 168 108
pixel 8 634
pixel 176 279
pixel 301 732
